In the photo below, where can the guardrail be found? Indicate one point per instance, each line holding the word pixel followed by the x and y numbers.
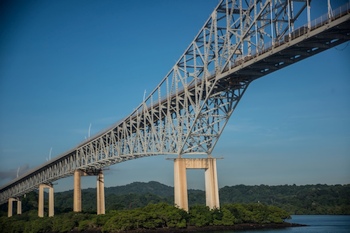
pixel 298 32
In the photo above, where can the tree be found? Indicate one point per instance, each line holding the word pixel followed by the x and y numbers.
pixel 199 216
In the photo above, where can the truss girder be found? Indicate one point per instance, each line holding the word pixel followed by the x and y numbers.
pixel 187 112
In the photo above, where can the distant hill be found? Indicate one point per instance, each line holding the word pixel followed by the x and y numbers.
pixel 151 187
pixel 136 194
pixel 304 199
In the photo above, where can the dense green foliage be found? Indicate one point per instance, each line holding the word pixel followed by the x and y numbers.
pixel 305 199
pixel 152 216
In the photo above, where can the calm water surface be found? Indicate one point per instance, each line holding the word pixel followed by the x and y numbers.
pixel 316 224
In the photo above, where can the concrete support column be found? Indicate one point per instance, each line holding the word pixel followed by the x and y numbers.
pixel 41 200
pixel 10 207
pixel 77 191
pixel 100 193
pixel 211 185
pixel 51 202
pixel 19 206
pixel 180 184
pixel 77 200
pixel 211 181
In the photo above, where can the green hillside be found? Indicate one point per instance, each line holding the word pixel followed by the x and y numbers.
pixel 304 199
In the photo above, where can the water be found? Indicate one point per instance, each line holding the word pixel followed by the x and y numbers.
pixel 316 224
pixel 321 224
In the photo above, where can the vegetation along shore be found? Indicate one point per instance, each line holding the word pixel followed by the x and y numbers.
pixel 148 207
pixel 160 217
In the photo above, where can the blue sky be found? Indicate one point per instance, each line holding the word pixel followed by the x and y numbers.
pixel 67 64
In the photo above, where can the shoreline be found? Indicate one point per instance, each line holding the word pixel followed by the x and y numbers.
pixel 242 226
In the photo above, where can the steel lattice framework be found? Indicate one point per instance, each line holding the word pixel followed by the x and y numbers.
pixel 186 113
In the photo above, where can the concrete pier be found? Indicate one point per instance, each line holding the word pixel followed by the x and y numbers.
pixel 77 200
pixel 77 191
pixel 10 206
pixel 180 184
pixel 41 200
pixel 19 206
pixel 100 194
pixel 211 185
pixel 211 181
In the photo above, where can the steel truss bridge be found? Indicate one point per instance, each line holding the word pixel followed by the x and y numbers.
pixel 186 113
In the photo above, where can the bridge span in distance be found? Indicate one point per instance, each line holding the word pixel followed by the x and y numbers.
pixel 187 112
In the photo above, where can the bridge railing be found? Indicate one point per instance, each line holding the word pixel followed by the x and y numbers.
pixel 298 32
pixel 326 18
